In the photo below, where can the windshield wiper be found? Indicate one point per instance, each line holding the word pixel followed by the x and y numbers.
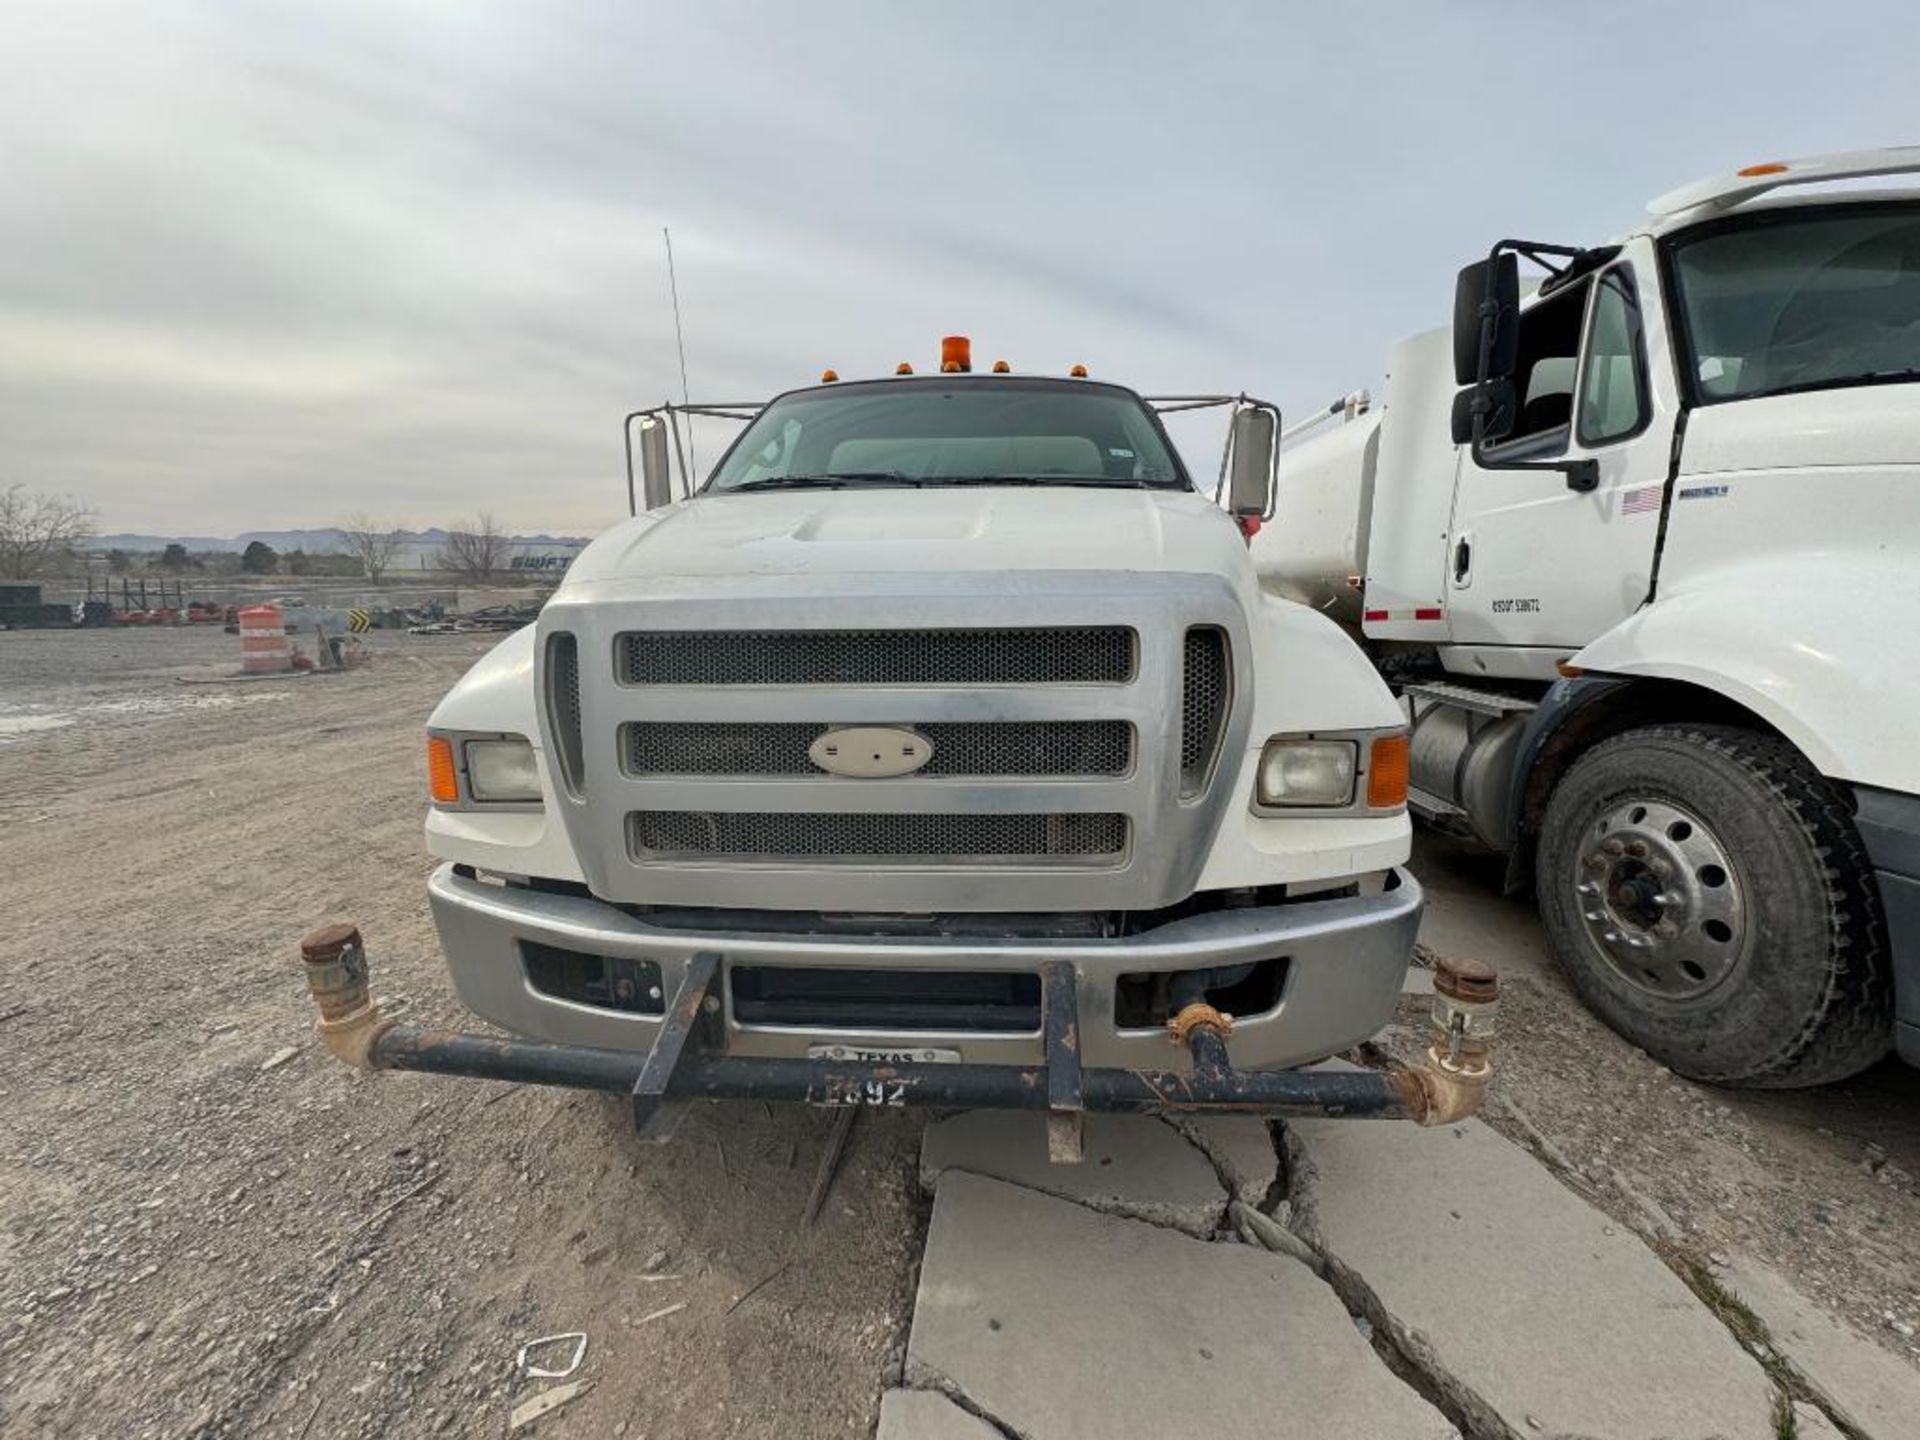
pixel 834 480
pixel 1116 482
pixel 1838 382
pixel 842 479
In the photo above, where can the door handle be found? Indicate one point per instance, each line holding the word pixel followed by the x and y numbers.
pixel 1462 559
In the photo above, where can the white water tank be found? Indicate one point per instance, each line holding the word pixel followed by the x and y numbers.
pixel 1317 538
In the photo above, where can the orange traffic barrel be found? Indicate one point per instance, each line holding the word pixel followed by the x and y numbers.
pixel 263 641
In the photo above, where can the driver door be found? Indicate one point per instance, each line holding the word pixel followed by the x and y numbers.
pixel 1531 562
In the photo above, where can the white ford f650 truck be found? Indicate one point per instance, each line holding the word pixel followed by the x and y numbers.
pixel 1641 552
pixel 941 748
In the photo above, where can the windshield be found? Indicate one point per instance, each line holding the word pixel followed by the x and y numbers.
pixel 971 431
pixel 1801 300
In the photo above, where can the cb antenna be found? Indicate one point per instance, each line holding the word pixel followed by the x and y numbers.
pixel 680 340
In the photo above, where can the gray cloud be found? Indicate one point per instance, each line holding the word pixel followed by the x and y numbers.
pixel 263 264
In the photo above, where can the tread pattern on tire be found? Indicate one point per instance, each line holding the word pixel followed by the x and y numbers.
pixel 1853 1024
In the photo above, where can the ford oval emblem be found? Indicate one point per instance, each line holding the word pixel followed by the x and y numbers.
pixel 870 752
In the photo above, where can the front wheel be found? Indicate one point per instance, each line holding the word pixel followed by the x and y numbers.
pixel 1707 893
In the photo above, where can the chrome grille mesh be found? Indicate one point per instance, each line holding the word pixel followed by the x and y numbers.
pixel 960 748
pixel 842 839
pixel 563 707
pixel 1055 656
pixel 1203 705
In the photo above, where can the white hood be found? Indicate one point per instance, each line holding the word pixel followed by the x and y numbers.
pixel 873 531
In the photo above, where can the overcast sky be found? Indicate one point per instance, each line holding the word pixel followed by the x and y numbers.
pixel 264 264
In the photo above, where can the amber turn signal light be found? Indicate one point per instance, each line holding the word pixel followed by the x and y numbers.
pixel 1387 773
pixel 443 781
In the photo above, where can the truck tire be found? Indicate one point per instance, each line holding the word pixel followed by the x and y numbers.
pixel 1706 891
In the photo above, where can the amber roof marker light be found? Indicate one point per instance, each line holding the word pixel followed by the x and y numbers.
pixel 1001 367
pixel 1078 372
pixel 1772 167
pixel 827 377
pixel 956 354
pixel 903 368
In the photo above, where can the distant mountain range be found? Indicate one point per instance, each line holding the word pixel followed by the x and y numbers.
pixel 314 542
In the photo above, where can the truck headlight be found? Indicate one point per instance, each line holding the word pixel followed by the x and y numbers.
pixel 502 770
pixel 1311 774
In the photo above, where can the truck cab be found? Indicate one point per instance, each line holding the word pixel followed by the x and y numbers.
pixel 1637 545
pixel 945 711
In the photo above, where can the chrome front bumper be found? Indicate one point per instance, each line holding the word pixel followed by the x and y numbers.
pixel 1346 960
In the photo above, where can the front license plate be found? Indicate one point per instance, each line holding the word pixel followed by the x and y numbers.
pixel 874 1055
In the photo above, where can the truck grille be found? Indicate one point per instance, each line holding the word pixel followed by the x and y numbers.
pixel 1079 655
pixel 960 748
pixel 1203 705
pixel 848 838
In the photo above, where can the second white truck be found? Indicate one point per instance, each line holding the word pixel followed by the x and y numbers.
pixel 1638 551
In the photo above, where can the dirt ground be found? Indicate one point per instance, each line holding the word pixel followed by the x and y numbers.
pixel 191 1244
pixel 199 1237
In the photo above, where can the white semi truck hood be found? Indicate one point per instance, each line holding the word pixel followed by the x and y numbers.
pixel 818 533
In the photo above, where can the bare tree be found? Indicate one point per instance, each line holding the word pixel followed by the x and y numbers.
pixel 476 550
pixel 40 532
pixel 373 547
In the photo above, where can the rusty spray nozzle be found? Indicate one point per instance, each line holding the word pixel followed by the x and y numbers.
pixel 335 961
pixel 1452 1079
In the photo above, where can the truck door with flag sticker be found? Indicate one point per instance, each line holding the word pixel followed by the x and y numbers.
pixel 1581 390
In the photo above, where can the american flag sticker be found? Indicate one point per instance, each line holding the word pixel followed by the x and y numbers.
pixel 1638 502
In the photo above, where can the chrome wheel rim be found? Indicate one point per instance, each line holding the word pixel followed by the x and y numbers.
pixel 1660 899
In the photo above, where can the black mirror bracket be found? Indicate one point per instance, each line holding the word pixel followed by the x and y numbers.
pixel 1582 475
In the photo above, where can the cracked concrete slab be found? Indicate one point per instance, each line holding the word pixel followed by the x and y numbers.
pixel 928 1415
pixel 1061 1322
pixel 1136 1165
pixel 1878 1394
pixel 1242 1150
pixel 1810 1422
pixel 1525 1305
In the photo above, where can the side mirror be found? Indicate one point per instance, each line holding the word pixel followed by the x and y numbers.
pixel 1250 486
pixel 656 475
pixel 1497 397
pixel 1496 280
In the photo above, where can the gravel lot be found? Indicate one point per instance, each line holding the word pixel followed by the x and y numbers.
pixel 196 1240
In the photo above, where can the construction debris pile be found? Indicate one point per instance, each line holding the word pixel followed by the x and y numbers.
pixel 486 619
